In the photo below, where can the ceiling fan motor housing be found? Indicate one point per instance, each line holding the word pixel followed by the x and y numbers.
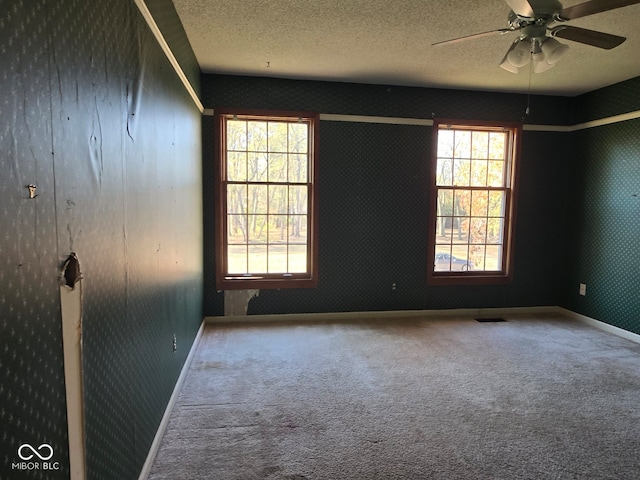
pixel 545 7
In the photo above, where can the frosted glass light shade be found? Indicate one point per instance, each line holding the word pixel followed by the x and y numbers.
pixel 540 63
pixel 553 50
pixel 519 56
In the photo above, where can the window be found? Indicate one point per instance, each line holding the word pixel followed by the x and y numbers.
pixel 472 202
pixel 266 216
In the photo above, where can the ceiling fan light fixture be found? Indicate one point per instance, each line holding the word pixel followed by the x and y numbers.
pixel 553 50
pixel 540 63
pixel 505 65
pixel 518 56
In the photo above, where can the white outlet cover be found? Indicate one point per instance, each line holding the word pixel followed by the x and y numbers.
pixel 583 289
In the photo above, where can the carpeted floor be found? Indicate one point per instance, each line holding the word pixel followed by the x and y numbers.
pixel 531 398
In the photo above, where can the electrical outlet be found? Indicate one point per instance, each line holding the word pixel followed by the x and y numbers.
pixel 583 289
pixel 394 286
pixel 175 343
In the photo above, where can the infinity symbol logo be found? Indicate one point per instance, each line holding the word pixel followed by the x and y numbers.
pixel 44 452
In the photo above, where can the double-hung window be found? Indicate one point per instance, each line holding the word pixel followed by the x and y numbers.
pixel 266 215
pixel 472 202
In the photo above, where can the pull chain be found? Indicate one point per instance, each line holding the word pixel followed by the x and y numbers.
pixel 526 112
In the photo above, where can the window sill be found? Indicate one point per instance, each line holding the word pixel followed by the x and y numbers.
pixel 263 283
pixel 469 279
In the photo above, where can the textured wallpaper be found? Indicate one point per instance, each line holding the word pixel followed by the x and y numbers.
pixel 381 100
pixel 603 244
pixel 32 393
pixel 373 196
pixel 623 97
pixel 96 118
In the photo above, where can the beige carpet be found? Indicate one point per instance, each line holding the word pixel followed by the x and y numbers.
pixel 530 398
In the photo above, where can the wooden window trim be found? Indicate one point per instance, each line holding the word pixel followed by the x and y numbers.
pixel 505 276
pixel 267 281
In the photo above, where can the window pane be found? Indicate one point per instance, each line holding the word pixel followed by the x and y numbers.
pixel 445 202
pixel 257 199
pixel 479 203
pixel 462 203
pixel 462 147
pixel 493 258
pixel 298 167
pixel 443 229
pixel 444 175
pixel 277 258
pixel 298 199
pixel 461 172
pixel 257 167
pixel 460 260
pixel 478 230
pixel 277 137
pixel 236 135
pixel 257 136
pixel 460 230
pixel 497 145
pixel 236 198
pixel 297 229
pixel 297 258
pixel 479 173
pixel 476 257
pixel 442 259
pixel 277 228
pixel 237 166
pixel 298 137
pixel 496 203
pixel 278 199
pixel 445 143
pixel 277 167
pixel 456 259
pixel 236 229
pixel 496 173
pixel 257 258
pixel 257 229
pixel 237 259
pixel 495 228
pixel 480 145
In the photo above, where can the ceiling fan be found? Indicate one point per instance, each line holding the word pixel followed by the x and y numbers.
pixel 539 23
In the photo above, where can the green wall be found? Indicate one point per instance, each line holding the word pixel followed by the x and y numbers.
pixel 578 202
pixel 95 116
pixel 603 214
pixel 373 196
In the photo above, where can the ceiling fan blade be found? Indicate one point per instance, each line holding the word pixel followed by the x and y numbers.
pixel 522 8
pixel 594 6
pixel 500 31
pixel 588 37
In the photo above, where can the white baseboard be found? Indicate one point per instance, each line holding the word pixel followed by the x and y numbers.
pixel 346 316
pixel 621 332
pixel 153 451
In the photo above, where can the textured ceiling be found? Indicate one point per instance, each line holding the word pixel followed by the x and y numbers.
pixel 389 42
